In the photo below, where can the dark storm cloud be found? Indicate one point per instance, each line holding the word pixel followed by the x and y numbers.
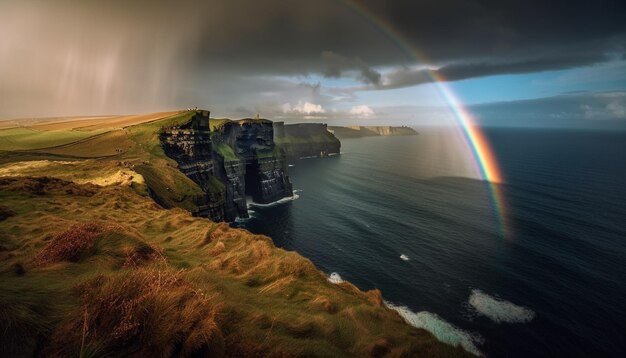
pixel 117 56
pixel 337 64
pixel 517 36
pixel 464 70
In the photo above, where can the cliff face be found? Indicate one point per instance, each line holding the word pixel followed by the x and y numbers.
pixel 190 146
pixel 229 162
pixel 370 131
pixel 305 140
pixel 264 176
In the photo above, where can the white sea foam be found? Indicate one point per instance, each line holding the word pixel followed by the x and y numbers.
pixel 404 257
pixel 335 278
pixel 442 330
pixel 277 202
pixel 499 310
pixel 242 220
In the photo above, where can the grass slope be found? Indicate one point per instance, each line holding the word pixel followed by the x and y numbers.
pixel 89 270
pixel 27 139
pixel 108 150
pixel 103 271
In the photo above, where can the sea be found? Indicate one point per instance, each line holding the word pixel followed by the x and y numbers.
pixel 544 274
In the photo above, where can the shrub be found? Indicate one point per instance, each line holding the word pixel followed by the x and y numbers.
pixel 70 245
pixel 144 313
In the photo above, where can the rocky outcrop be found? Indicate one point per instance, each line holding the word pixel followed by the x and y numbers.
pixel 305 140
pixel 232 173
pixel 190 146
pixel 262 172
pixel 230 162
pixel 370 131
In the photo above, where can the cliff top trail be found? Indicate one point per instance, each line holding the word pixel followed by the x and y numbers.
pixel 91 265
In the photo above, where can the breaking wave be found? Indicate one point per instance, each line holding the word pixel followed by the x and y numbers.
pixel 437 326
pixel 442 330
pixel 277 202
pixel 499 310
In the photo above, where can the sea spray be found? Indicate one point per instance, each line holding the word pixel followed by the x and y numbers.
pixel 438 327
pixel 499 310
pixel 277 202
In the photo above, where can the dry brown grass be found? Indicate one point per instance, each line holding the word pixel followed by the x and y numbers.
pixel 95 123
pixel 44 185
pixel 163 283
pixel 70 245
pixel 142 255
pixel 145 313
pixel 31 122
pixel 5 212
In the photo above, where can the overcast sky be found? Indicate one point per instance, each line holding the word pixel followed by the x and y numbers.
pixel 322 60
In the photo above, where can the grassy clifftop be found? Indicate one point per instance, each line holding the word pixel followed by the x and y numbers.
pixel 371 131
pixel 90 265
pixel 87 270
pixel 109 148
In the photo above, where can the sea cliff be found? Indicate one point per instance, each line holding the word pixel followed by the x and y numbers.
pixel 305 140
pixel 230 161
pixel 370 131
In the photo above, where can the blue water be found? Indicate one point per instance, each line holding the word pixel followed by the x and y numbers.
pixel 563 262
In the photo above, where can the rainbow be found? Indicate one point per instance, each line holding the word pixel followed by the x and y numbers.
pixel 476 140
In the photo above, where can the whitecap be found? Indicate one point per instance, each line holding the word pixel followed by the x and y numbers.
pixel 335 278
pixel 277 202
pixel 499 310
pixel 441 329
pixel 404 257
pixel 243 220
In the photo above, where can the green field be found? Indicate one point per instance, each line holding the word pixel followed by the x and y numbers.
pixel 28 139
pixel 225 151
pixel 217 123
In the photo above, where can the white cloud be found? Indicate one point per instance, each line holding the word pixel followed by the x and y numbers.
pixel 307 108
pixel 286 108
pixel 616 109
pixel 362 111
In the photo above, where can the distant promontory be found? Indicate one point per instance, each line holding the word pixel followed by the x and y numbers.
pixel 370 131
